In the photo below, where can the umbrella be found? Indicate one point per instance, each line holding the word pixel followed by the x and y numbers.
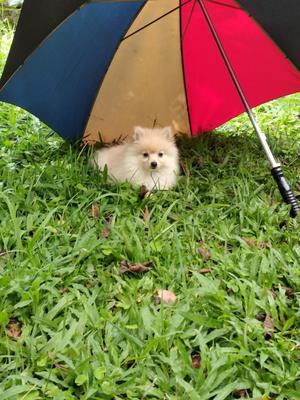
pixel 93 69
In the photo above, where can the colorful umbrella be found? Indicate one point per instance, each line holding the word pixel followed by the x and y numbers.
pixel 96 68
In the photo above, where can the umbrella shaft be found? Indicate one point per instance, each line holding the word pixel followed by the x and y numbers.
pixel 263 139
pixel 239 89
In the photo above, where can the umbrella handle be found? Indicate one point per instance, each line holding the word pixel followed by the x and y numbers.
pixel 285 190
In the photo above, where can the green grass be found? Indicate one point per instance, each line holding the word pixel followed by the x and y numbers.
pixel 91 332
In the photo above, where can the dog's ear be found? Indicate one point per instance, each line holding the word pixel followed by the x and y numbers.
pixel 168 133
pixel 138 133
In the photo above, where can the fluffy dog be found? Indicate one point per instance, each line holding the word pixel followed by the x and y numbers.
pixel 151 159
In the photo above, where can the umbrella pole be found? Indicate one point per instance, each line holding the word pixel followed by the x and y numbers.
pixel 276 170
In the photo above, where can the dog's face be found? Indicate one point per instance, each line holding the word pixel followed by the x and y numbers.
pixel 152 160
pixel 155 148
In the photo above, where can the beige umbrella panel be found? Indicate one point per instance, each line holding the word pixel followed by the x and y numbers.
pixel 138 88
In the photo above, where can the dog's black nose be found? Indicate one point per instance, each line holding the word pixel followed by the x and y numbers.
pixel 153 164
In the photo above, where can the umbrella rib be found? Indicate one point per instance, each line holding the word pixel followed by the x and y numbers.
pixel 237 85
pixel 171 11
pixel 156 19
pixel 189 20
pixel 183 67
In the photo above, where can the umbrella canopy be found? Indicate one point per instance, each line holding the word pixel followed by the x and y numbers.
pixel 97 68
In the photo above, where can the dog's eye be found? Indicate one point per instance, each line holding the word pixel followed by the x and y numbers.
pixel 160 154
pixel 145 155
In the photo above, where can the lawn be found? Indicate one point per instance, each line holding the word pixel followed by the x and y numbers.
pixel 75 325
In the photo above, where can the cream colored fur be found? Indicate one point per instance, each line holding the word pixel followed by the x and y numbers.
pixel 134 162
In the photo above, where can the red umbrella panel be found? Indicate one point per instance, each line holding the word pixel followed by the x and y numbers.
pixel 263 71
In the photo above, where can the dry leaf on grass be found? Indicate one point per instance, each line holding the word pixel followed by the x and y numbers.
pixel 269 327
pixel 135 268
pixel 165 296
pixel 205 270
pixel 62 367
pixel 63 290
pixel 196 360
pixel 143 192
pixel 260 317
pixel 95 210
pixel 288 291
pixel 146 217
pixel 204 253
pixel 106 230
pixel 260 245
pixel 14 328
pixel 268 323
pixel 248 241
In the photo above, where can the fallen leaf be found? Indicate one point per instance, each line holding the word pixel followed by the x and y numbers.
pixel 288 291
pixel 63 290
pixel 205 254
pixel 269 327
pixel 268 323
pixel 260 245
pixel 143 192
pixel 95 210
pixel 205 270
pixel 165 296
pixel 106 230
pixel 260 317
pixel 135 268
pixel 248 241
pixel 146 217
pixel 14 328
pixel 196 360
pixel 62 367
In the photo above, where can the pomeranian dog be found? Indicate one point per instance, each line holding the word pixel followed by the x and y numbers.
pixel 151 159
